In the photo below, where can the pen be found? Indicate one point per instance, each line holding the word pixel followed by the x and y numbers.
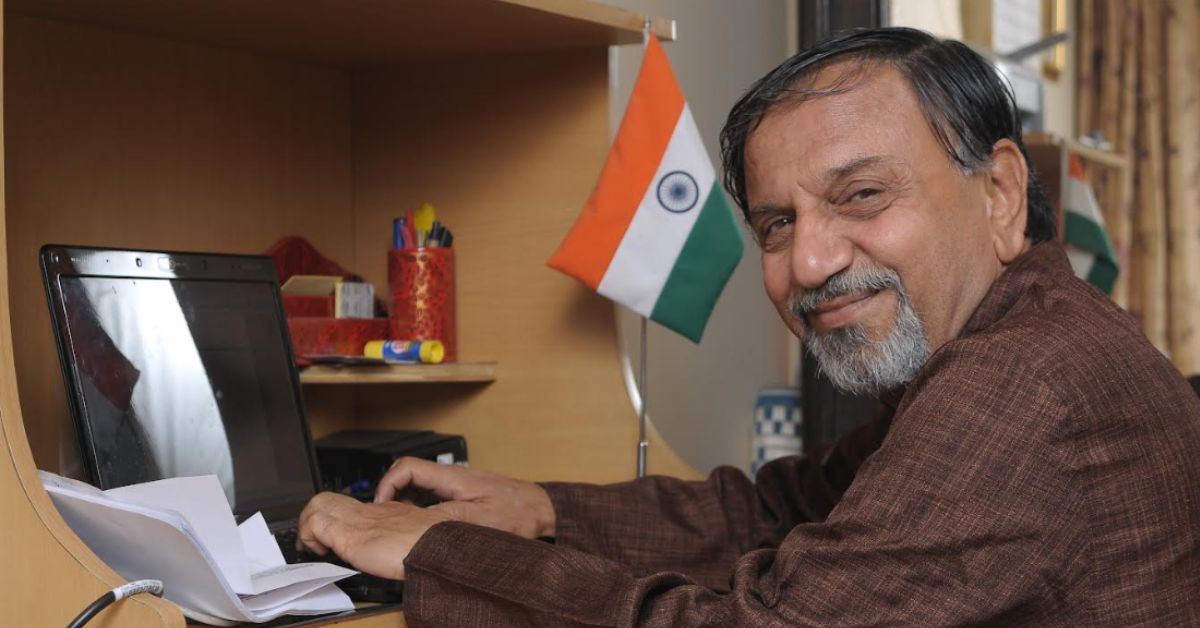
pixel 410 230
pixel 398 229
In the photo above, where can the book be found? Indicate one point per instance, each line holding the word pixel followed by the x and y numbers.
pixel 181 531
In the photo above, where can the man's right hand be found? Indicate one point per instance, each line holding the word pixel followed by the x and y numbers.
pixel 473 496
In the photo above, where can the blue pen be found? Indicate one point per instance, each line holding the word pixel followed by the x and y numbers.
pixel 398 233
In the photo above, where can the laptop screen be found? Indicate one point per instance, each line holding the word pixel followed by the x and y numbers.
pixel 180 365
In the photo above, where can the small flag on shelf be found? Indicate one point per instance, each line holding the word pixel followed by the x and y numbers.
pixel 657 234
pixel 1088 245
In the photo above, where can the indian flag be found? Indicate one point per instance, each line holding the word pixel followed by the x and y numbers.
pixel 1087 243
pixel 657 234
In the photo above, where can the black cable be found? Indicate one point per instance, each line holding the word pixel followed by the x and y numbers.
pixel 93 609
pixel 131 588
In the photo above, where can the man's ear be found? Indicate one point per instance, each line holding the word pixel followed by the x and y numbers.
pixel 1007 177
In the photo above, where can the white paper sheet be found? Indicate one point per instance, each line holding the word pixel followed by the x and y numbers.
pixel 262 551
pixel 202 502
pixel 145 541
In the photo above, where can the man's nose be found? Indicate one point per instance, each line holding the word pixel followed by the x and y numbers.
pixel 818 253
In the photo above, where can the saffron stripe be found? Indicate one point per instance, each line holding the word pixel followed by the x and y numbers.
pixel 650 119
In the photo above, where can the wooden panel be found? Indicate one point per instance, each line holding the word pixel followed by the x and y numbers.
pixel 329 409
pixel 390 619
pixel 460 372
pixel 376 32
pixel 508 152
pixel 117 140
pixel 1048 158
pixel 42 556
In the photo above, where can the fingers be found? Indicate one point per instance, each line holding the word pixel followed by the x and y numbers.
pixel 441 479
pixel 317 521
pixel 455 510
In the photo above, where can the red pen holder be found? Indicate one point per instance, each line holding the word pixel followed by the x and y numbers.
pixel 421 305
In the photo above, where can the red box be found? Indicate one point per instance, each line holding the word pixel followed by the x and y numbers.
pixel 307 305
pixel 334 336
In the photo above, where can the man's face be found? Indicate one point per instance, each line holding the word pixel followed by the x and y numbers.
pixel 875 249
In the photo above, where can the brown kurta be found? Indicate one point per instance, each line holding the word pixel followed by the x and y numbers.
pixel 1043 468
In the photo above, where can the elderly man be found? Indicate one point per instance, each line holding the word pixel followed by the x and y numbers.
pixel 1038 461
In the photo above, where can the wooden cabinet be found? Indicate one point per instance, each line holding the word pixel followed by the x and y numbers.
pixel 222 125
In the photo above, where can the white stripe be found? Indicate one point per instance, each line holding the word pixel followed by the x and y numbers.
pixel 1081 199
pixel 1081 261
pixel 646 255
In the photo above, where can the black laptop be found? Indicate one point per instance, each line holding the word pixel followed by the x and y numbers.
pixel 180 364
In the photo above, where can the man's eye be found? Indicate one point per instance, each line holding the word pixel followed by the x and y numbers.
pixel 864 194
pixel 773 232
pixel 776 224
pixel 773 226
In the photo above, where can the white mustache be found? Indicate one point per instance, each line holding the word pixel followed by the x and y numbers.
pixel 842 284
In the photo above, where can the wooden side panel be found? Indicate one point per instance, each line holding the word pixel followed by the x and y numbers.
pixel 507 149
pixel 119 140
pixel 41 554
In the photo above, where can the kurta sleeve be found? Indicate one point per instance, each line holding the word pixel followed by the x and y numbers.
pixel 659 523
pixel 963 516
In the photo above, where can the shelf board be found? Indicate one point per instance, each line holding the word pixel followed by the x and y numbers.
pixel 363 32
pixel 459 372
pixel 1087 153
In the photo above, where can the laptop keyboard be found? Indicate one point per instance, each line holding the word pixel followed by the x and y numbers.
pixel 287 544
pixel 361 587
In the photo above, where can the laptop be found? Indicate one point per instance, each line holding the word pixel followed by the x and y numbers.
pixel 180 364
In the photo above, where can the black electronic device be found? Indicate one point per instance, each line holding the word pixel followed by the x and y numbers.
pixel 180 364
pixel 352 461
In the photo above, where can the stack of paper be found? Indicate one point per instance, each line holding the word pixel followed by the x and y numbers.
pixel 181 531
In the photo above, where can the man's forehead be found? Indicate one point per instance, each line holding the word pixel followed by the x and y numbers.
pixel 845 99
pixel 872 121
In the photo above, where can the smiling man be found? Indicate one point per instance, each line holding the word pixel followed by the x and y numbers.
pixel 1037 462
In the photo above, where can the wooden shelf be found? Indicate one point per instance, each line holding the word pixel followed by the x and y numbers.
pixel 1087 153
pixel 460 372
pixel 373 33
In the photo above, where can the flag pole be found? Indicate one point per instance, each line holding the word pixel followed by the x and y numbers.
pixel 643 445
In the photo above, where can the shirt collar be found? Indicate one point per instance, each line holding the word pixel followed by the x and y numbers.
pixel 1044 260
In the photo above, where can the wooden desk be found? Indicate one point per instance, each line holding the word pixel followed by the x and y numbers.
pixel 222 125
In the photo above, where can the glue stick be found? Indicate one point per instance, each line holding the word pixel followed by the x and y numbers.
pixel 406 351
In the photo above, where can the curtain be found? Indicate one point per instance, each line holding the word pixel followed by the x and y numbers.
pixel 1139 91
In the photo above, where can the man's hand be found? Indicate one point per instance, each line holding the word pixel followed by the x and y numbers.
pixel 375 538
pixel 478 497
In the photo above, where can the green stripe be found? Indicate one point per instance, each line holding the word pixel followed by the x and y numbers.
pixel 709 255
pixel 1103 275
pixel 1085 234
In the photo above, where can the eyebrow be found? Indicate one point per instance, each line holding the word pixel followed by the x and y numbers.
pixel 831 176
pixel 854 165
pixel 765 208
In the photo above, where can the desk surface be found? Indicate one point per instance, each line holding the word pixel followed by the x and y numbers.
pixel 367 616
